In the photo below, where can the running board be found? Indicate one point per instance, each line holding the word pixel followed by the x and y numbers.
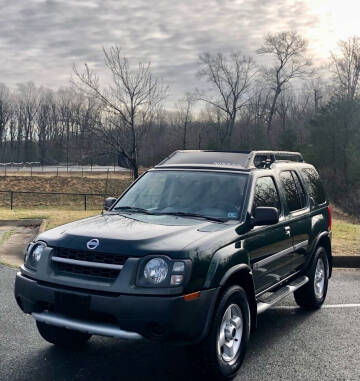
pixel 101 329
pixel 266 303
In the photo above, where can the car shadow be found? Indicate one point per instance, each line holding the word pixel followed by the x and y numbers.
pixel 105 359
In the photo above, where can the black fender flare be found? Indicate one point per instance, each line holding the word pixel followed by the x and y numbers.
pixel 248 284
pixel 244 268
pixel 233 270
pixel 315 245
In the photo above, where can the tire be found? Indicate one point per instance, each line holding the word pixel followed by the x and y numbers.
pixel 312 295
pixel 62 337
pixel 219 357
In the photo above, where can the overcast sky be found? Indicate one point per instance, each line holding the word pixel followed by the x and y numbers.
pixel 41 39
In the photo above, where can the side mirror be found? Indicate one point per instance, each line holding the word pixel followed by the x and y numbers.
pixel 109 202
pixel 264 215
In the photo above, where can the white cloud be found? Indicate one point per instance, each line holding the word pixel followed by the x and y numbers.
pixel 40 40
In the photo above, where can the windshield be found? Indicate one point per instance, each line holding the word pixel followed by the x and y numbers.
pixel 208 194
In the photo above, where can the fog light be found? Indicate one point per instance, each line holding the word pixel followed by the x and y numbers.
pixel 176 280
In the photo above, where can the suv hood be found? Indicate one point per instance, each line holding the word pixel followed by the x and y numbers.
pixel 133 235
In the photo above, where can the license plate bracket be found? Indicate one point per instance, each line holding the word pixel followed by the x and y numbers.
pixel 72 304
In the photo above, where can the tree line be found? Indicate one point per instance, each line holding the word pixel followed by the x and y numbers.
pixel 286 103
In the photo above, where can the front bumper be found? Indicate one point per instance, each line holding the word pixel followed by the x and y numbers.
pixel 163 318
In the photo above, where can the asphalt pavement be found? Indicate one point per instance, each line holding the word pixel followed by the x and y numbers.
pixel 290 344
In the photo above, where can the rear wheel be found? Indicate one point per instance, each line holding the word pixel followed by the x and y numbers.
pixel 61 336
pixel 313 294
pixel 222 352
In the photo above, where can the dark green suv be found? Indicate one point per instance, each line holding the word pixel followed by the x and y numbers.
pixel 190 253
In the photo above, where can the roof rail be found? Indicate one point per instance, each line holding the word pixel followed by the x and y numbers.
pixel 239 160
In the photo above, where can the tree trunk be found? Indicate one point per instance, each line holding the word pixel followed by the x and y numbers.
pixel 184 137
pixel 135 169
pixel 271 115
pixel 230 125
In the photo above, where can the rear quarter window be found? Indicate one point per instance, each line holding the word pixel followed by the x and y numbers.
pixel 291 192
pixel 314 186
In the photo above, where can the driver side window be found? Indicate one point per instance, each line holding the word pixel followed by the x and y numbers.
pixel 266 193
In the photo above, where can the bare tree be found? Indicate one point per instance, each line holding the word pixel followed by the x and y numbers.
pixel 184 115
pixel 28 105
pixel 69 105
pixel 129 103
pixel 282 110
pixel 288 50
pixel 6 109
pixel 229 78
pixel 346 66
pixel 43 119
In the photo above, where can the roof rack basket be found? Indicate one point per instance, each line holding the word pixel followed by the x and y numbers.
pixel 263 159
pixel 238 160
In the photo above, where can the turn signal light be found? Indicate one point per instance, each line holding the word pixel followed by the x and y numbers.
pixel 192 296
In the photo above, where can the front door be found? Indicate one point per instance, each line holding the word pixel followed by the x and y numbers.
pixel 268 246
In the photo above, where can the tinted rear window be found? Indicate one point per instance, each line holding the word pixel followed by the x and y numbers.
pixel 313 183
pixel 291 193
pixel 300 189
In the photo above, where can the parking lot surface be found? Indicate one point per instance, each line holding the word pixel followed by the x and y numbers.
pixel 289 344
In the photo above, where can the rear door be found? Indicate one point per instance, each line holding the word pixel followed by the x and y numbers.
pixel 297 217
pixel 268 246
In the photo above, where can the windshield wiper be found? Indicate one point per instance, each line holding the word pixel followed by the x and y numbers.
pixel 181 214
pixel 133 209
pixel 195 215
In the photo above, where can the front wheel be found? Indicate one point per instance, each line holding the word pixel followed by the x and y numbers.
pixel 312 295
pixel 222 352
pixel 62 337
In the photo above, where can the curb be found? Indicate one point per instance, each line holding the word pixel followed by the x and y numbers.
pixel 22 222
pixel 42 226
pixel 351 261
pixel 40 223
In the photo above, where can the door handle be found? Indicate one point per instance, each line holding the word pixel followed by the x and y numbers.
pixel 288 230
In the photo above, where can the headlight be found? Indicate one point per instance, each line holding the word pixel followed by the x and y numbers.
pixel 34 254
pixel 156 270
pixel 163 272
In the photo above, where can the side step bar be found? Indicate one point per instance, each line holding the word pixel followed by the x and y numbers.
pixel 101 329
pixel 265 303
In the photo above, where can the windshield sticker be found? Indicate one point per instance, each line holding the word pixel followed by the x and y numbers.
pixel 232 214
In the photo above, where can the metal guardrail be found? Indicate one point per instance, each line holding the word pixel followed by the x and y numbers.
pixel 83 195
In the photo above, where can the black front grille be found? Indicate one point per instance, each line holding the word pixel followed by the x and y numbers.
pixel 88 256
pixel 84 270
pixel 91 256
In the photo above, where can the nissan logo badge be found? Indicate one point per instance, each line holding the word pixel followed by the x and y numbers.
pixel 92 244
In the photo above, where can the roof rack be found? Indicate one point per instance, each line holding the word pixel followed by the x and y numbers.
pixel 227 159
pixel 264 159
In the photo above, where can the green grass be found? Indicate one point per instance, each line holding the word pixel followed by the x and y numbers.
pixel 53 217
pixel 346 237
pixel 96 185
